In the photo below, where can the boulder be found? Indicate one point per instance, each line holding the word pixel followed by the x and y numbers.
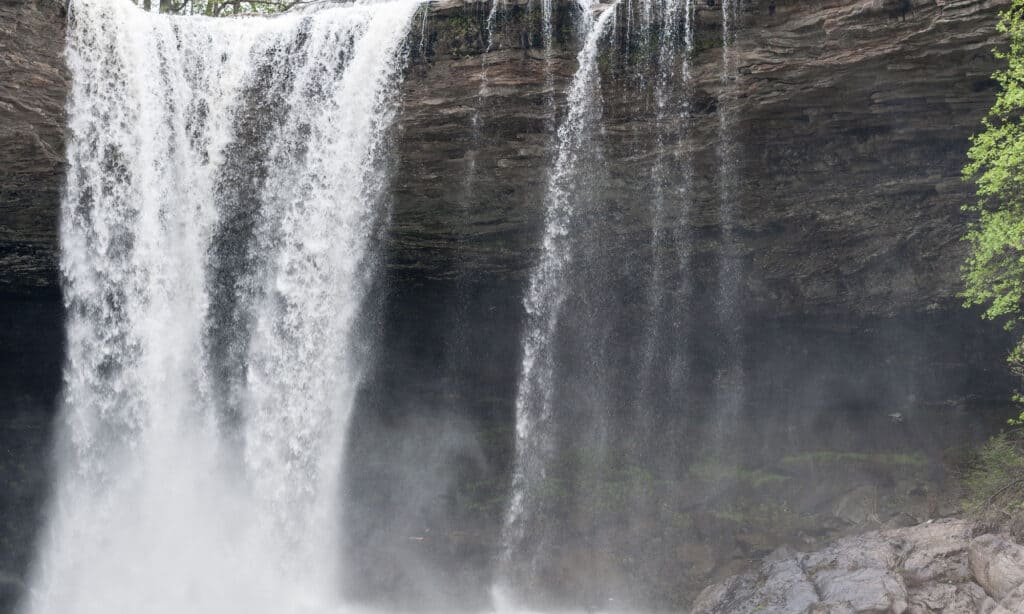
pixel 858 506
pixel 875 550
pixel 989 606
pixel 930 568
pixel 781 587
pixel 998 565
pixel 933 597
pixel 864 590
pixel 938 552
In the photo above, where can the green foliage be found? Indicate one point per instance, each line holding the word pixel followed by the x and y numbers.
pixel 715 472
pixel 464 33
pixel 832 457
pixel 994 271
pixel 994 481
pixel 770 516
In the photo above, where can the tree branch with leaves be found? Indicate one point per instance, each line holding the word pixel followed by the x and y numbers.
pixel 994 272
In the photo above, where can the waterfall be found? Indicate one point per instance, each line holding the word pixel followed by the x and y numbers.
pixel 672 166
pixel 492 17
pixel 547 29
pixel 547 37
pixel 730 385
pixel 651 432
pixel 543 303
pixel 423 34
pixel 160 503
pixel 483 90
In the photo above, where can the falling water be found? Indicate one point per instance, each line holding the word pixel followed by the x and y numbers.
pixel 423 34
pixel 547 38
pixel 492 18
pixel 672 166
pixel 483 90
pixel 730 385
pixel 545 297
pixel 159 504
pixel 547 27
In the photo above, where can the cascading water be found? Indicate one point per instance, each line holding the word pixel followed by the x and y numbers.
pixel 423 33
pixel 160 504
pixel 481 94
pixel 547 38
pixel 672 166
pixel 664 364
pixel 544 301
pixel 730 384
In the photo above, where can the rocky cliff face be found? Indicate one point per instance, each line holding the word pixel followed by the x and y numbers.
pixel 848 123
pixel 33 86
pixel 851 124
pixel 852 119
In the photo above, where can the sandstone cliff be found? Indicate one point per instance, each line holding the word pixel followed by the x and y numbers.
pixel 852 121
pixel 33 87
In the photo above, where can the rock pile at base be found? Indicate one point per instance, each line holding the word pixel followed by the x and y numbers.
pixel 941 567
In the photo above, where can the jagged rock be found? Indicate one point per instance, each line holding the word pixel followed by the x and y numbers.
pixel 1014 601
pixel 781 587
pixel 939 552
pixel 842 608
pixel 998 566
pixel 989 606
pixel 858 506
pixel 873 550
pixel 864 590
pixel 920 570
pixel 966 600
pixel 932 597
pixel 717 597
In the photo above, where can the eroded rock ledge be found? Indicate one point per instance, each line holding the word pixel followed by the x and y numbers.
pixel 945 566
pixel 33 87
pixel 852 118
